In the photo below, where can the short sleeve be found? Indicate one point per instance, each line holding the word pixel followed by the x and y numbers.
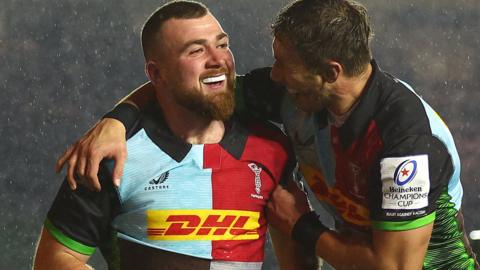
pixel 411 176
pixel 80 219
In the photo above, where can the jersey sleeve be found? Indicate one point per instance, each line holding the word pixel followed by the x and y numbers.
pixel 413 174
pixel 80 219
pixel 126 113
pixel 258 95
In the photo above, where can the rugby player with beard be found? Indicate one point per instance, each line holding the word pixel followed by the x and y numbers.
pixel 374 153
pixel 197 178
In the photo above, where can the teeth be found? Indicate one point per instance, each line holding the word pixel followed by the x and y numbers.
pixel 214 79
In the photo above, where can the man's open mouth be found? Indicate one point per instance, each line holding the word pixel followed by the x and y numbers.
pixel 214 79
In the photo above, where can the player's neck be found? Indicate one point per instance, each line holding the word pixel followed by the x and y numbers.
pixel 194 129
pixel 349 90
pixel 190 126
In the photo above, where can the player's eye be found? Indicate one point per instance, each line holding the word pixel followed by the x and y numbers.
pixel 196 51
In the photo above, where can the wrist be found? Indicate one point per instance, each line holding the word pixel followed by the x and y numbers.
pixel 126 113
pixel 307 230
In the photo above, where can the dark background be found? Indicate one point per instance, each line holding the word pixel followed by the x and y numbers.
pixel 65 63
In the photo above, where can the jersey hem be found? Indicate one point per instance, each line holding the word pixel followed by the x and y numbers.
pixel 67 241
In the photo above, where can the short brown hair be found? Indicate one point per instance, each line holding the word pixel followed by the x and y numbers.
pixel 321 30
pixel 175 9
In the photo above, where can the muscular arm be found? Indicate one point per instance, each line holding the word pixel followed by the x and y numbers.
pixel 384 250
pixel 52 255
pixel 380 250
pixel 77 222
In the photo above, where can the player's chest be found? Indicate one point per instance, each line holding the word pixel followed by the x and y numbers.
pixel 205 180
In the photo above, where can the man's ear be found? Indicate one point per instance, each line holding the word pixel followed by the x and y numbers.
pixel 153 71
pixel 332 71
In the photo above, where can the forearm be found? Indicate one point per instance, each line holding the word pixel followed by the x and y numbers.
pixel 348 249
pixel 105 140
pixel 350 252
pixel 389 250
pixel 128 110
pixel 141 96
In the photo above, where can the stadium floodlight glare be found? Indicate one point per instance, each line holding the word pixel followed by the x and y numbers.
pixel 475 235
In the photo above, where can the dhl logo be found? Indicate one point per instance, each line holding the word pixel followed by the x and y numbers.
pixel 351 211
pixel 188 225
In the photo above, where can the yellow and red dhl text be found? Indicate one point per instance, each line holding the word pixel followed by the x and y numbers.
pixel 188 225
pixel 351 211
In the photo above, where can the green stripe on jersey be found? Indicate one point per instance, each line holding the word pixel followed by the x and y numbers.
pixel 67 241
pixel 404 225
pixel 447 249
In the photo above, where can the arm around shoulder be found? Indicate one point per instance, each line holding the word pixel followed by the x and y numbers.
pixel 105 140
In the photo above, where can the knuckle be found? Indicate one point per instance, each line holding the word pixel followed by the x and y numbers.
pixel 92 152
pixel 71 162
pixel 76 145
pixel 82 145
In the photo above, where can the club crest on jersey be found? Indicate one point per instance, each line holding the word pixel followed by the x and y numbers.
pixel 258 181
pixel 358 184
pixel 157 183
pixel 405 172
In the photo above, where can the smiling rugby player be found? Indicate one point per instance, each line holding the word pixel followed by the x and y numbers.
pixel 197 178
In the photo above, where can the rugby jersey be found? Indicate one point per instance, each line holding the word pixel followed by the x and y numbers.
pixel 205 201
pixel 392 165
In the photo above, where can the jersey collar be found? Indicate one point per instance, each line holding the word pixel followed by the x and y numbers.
pixel 155 126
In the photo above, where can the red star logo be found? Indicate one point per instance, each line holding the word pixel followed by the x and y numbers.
pixel 405 172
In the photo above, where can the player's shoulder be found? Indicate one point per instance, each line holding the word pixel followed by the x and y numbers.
pixel 400 109
pixel 266 130
pixel 267 138
pixel 268 145
pixel 399 93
